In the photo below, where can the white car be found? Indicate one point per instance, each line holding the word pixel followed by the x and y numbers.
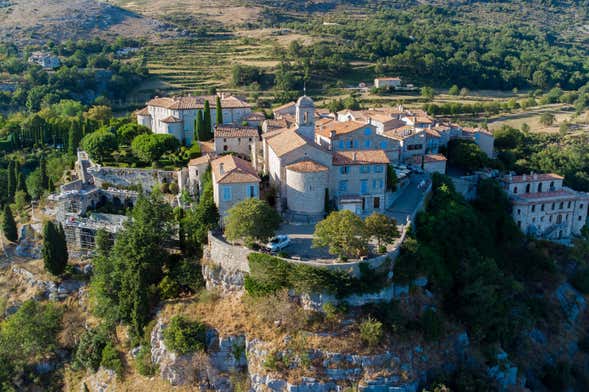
pixel 278 243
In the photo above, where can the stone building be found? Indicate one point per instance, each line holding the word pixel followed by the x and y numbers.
pixel 241 140
pixel 176 115
pixel 44 59
pixel 234 180
pixel 544 208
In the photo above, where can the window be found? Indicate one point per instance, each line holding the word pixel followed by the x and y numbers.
pixel 553 206
pixel 252 191
pixel 363 186
pixel 365 169
pixel 377 184
pixel 540 188
pixel 367 131
pixel 250 139
pixel 561 206
pixel 343 186
pixel 412 147
pixel 581 206
pixel 528 188
pixel 533 220
pixel 225 148
pixel 533 208
pixel 542 207
pixel 519 212
pixel 378 168
pixel 366 143
pixel 226 193
pixel 551 184
pixel 344 169
pixel 569 205
pixel 580 218
pixel 514 189
pixel 383 145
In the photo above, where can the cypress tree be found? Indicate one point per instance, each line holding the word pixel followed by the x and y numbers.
pixel 200 127
pixel 208 126
pixel 9 225
pixel 219 111
pixel 50 185
pixel 54 253
pixel 74 137
pixel 21 184
pixel 11 181
pixel 43 172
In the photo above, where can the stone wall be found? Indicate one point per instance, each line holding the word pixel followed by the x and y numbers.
pixel 124 177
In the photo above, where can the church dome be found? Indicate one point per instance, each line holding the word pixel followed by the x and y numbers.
pixel 305 102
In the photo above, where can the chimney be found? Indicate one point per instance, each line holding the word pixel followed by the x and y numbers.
pixel 222 168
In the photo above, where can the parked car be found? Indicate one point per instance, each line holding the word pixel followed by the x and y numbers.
pixel 278 243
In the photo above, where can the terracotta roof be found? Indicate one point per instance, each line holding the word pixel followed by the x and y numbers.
pixel 430 158
pixel 142 112
pixel 286 141
pixel 533 177
pixel 433 133
pixel 401 133
pixel 395 78
pixel 230 131
pixel 339 127
pixel 230 169
pixel 171 119
pixel 477 130
pixel 192 102
pixel 283 107
pixel 256 116
pixel 359 157
pixel 207 147
pixel 200 160
pixel 307 167
pixel 275 124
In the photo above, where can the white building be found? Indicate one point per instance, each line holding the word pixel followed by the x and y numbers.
pixel 45 60
pixel 238 139
pixel 387 82
pixel 544 208
pixel 176 115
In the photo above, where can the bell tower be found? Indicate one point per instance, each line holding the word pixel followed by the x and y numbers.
pixel 305 117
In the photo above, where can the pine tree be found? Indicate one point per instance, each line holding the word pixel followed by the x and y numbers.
pixel 9 225
pixel 219 111
pixel 21 184
pixel 208 126
pixel 11 181
pixel 54 251
pixel 43 172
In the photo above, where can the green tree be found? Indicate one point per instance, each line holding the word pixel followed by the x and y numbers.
pixel 9 225
pixel 454 90
pixel 219 111
pixel 184 336
pixel 99 144
pixel 55 255
pixel 547 119
pixel 130 131
pixel 343 232
pixel 11 181
pixel 206 121
pixel 100 114
pixel 201 132
pixel 251 220
pixel 74 138
pixel 44 179
pixel 392 180
pixel 466 154
pixel 382 228
pixel 150 147
pixel 427 93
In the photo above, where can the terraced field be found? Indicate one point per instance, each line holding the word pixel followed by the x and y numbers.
pixel 199 64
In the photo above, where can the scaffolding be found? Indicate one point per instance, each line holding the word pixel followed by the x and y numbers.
pixel 80 232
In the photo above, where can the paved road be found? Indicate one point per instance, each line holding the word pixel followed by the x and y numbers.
pixel 409 199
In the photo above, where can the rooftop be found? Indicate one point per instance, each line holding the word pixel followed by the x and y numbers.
pixel 192 102
pixel 230 131
pixel 286 141
pixel 327 126
pixel 360 157
pixel 230 169
pixel 307 166
pixel 200 160
pixel 171 119
pixel 532 177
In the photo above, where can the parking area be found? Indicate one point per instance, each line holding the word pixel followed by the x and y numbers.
pixel 301 236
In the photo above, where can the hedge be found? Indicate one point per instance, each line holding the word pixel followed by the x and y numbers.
pixel 269 274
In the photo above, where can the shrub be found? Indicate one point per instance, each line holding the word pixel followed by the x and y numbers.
pixel 184 336
pixel 111 359
pixel 89 352
pixel 371 332
pixel 169 288
pixel 143 362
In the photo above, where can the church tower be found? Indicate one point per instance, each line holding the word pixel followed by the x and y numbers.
pixel 305 117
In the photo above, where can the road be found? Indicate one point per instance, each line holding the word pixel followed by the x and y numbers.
pixel 410 197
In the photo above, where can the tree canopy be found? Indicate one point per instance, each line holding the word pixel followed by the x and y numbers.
pixel 344 233
pixel 251 220
pixel 150 147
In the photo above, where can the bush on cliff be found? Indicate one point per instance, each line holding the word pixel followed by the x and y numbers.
pixel 184 336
